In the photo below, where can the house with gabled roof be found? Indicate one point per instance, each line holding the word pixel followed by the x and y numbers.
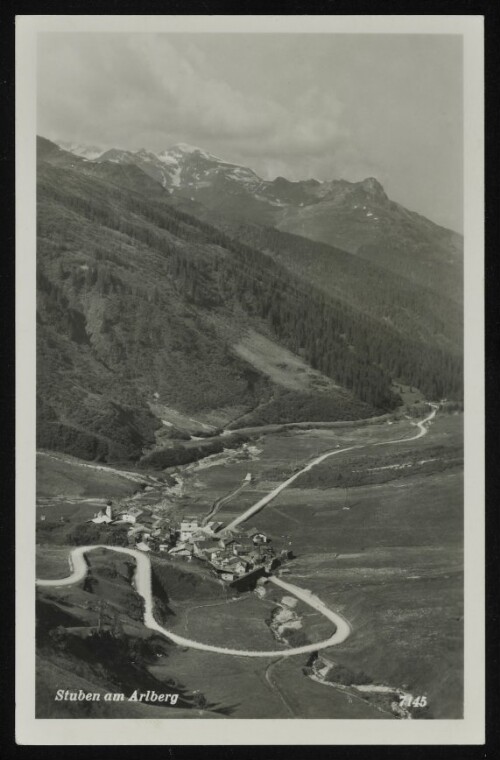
pixel 189 525
pixel 212 551
pixel 226 541
pixel 131 515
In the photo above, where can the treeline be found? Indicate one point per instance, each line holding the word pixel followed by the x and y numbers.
pixel 304 407
pixel 343 344
pixel 333 337
pixel 358 282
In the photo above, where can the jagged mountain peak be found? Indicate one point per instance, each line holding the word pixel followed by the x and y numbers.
pixel 181 153
pixel 358 216
pixel 373 187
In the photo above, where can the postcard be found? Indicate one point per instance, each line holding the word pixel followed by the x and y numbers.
pixel 250 487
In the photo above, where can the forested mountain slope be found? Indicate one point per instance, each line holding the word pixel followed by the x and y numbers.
pixel 357 217
pixel 413 310
pixel 142 305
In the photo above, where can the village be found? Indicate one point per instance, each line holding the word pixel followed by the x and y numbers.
pixel 235 556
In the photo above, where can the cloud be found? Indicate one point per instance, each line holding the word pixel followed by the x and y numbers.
pixel 300 106
pixel 103 89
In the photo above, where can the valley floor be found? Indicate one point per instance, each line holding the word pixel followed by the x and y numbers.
pixel 384 555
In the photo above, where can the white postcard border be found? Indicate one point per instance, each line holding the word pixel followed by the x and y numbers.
pixel 31 731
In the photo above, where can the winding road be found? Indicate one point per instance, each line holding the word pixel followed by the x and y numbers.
pixel 272 495
pixel 142 583
pixel 142 577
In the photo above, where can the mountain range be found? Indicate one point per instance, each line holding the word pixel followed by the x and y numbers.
pixel 357 217
pixel 174 293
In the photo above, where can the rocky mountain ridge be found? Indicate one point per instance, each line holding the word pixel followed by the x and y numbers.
pixel 357 217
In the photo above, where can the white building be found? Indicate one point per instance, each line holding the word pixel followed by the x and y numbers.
pixel 103 516
pixel 188 526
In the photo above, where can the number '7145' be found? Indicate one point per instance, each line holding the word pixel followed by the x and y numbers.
pixel 407 700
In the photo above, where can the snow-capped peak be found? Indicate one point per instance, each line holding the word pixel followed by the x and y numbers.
pixel 184 149
pixel 166 157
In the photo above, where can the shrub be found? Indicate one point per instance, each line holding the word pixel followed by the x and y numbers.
pixel 172 457
pixel 175 434
pixel 94 533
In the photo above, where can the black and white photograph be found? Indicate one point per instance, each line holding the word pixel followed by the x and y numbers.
pixel 245 264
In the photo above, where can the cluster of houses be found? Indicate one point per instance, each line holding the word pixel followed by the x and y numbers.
pixel 148 531
pixel 232 555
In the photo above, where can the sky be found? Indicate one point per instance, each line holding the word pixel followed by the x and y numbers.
pixel 328 106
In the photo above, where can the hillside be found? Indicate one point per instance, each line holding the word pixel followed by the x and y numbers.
pixel 142 307
pixel 355 216
pixel 132 314
pixel 90 637
pixel 413 310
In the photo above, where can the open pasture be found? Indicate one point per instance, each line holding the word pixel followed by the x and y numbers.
pixel 389 558
pixel 237 623
pixel 72 477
